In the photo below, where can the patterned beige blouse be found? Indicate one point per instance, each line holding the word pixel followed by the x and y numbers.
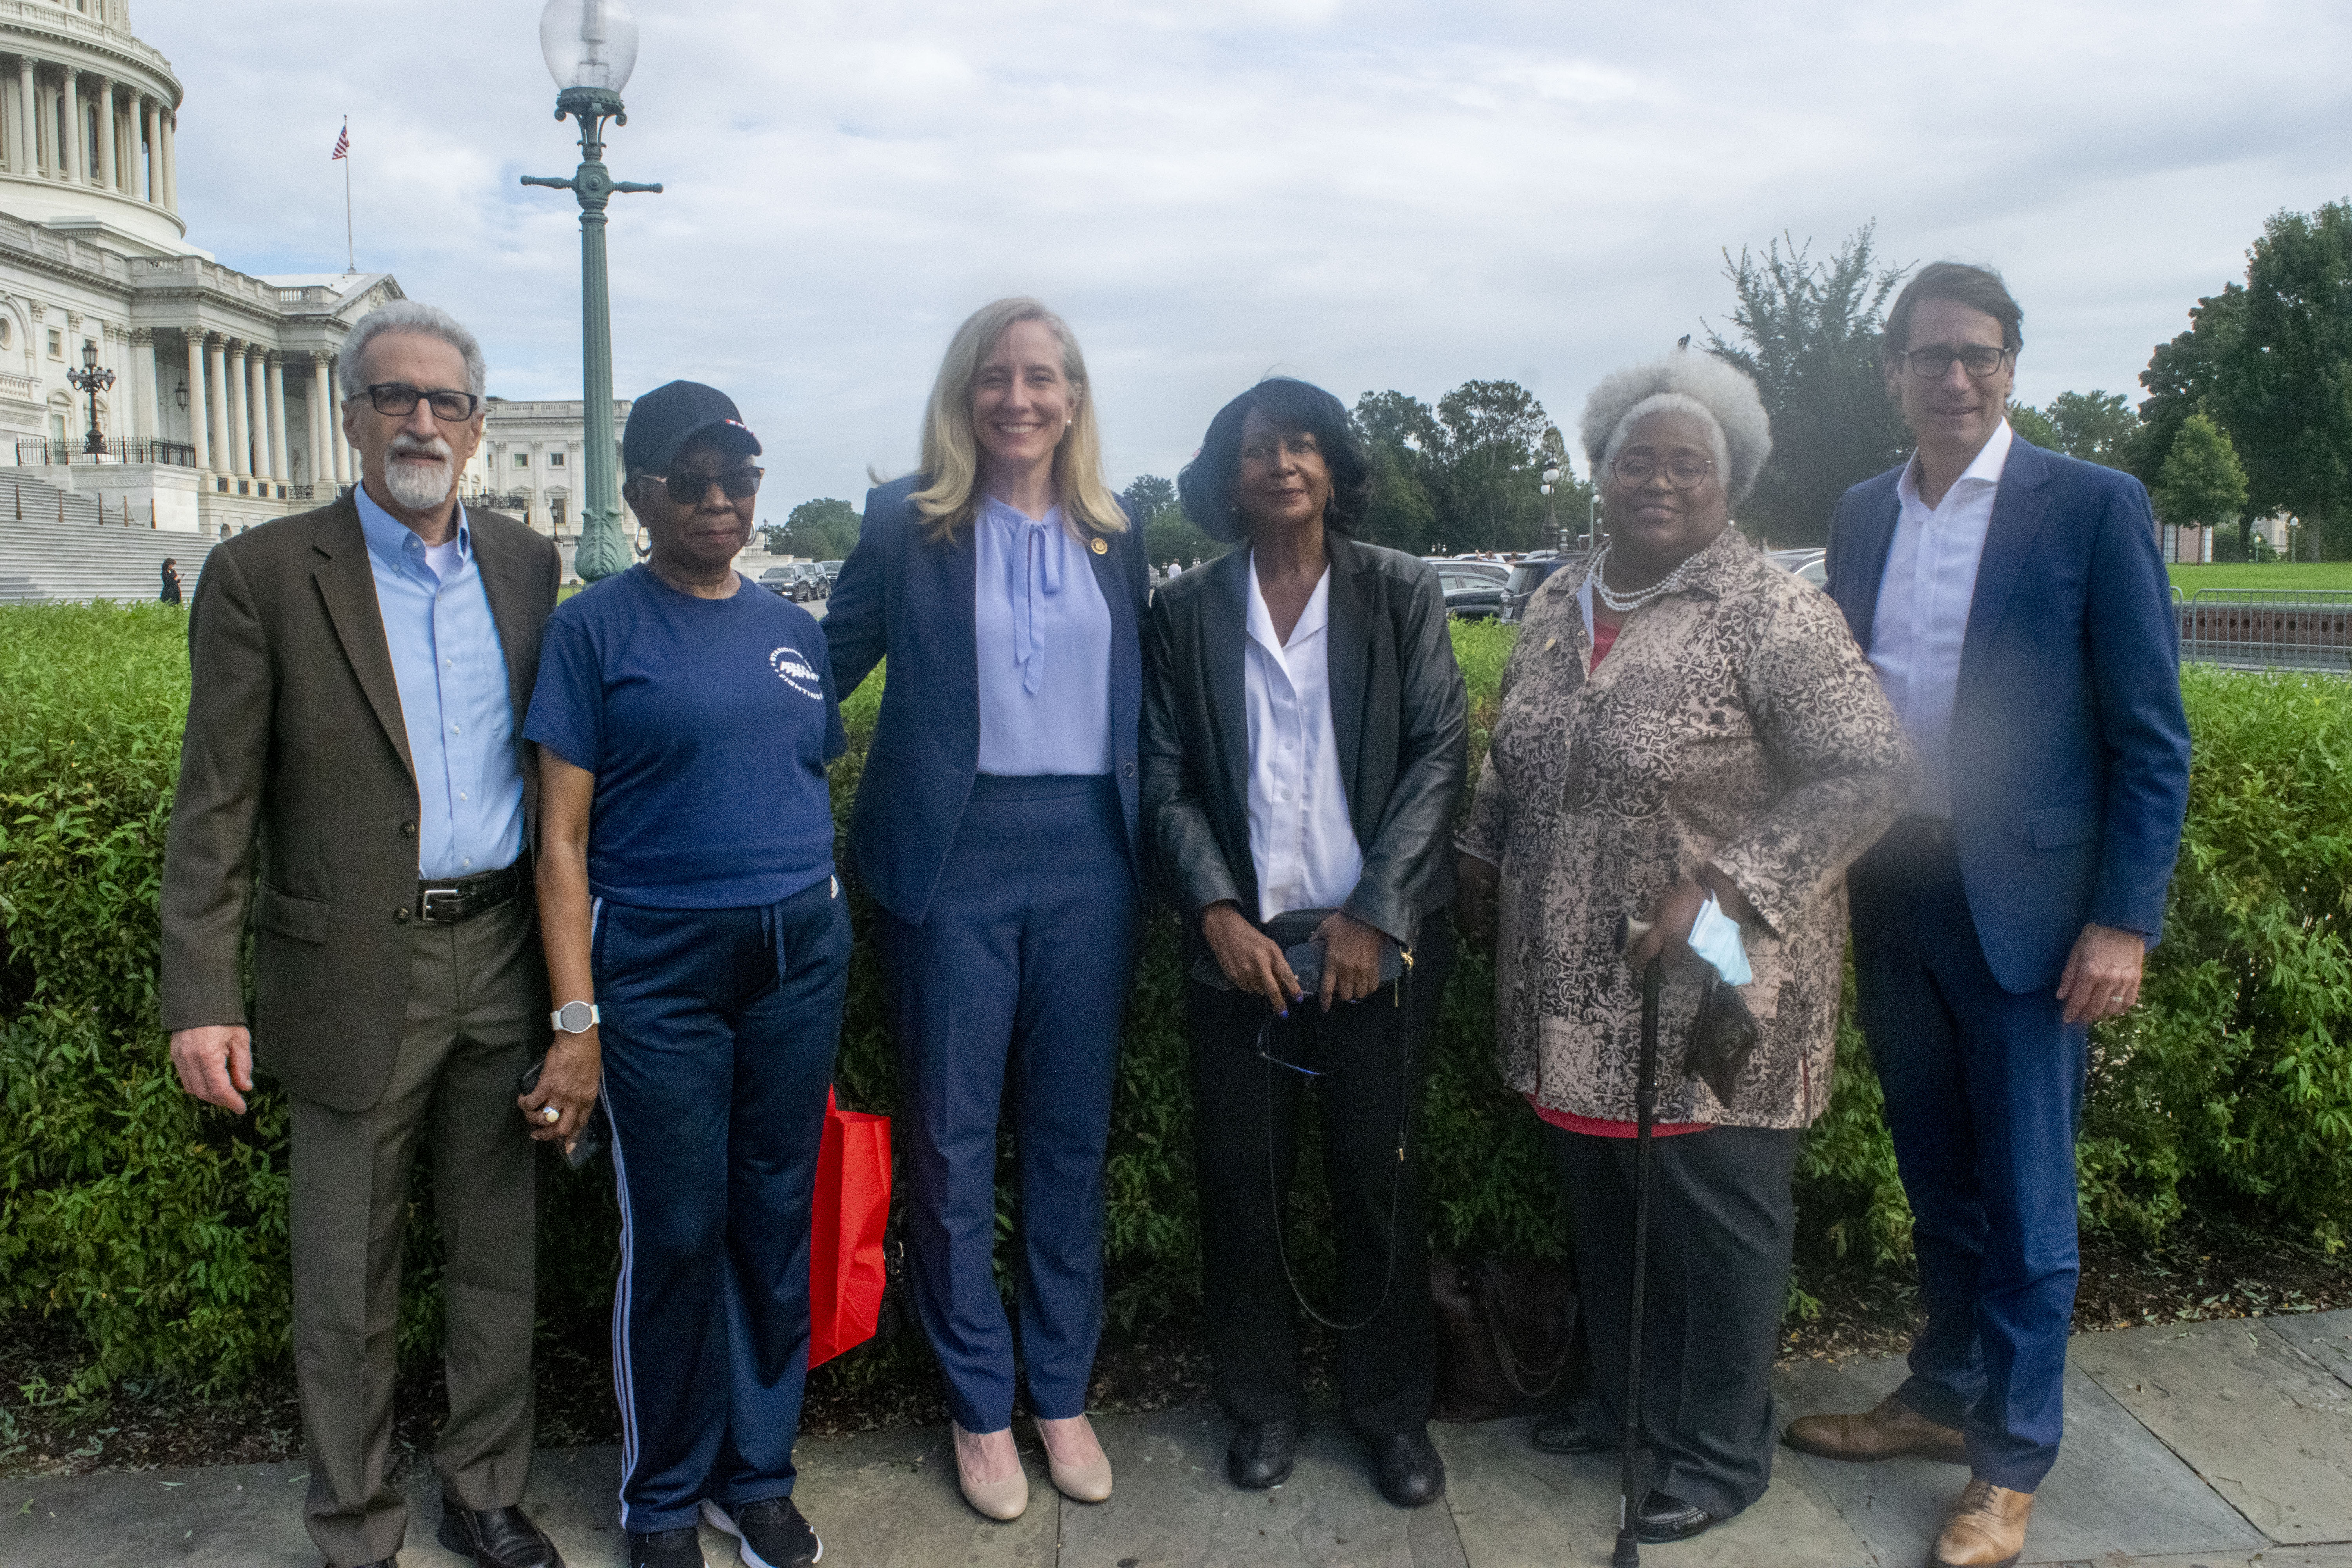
pixel 1732 721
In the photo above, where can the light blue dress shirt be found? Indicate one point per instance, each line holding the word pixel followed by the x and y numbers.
pixel 1043 635
pixel 451 673
pixel 1922 619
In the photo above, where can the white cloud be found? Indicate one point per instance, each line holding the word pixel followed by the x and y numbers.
pixel 1372 194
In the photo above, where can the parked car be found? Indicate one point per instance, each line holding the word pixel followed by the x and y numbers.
pixel 799 580
pixel 1813 565
pixel 1530 575
pixel 1473 595
pixel 1470 563
pixel 778 580
pixel 832 574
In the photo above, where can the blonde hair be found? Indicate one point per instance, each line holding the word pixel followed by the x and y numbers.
pixel 950 451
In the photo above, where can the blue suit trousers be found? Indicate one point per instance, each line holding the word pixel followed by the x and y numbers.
pixel 1020 968
pixel 1984 1097
pixel 719 1032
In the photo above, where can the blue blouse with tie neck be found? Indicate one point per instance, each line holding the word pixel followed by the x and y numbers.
pixel 1044 631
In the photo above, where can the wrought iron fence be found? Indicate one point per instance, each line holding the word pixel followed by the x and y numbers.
pixel 2268 628
pixel 39 451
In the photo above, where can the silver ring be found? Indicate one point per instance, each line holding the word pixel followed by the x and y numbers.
pixel 2116 998
pixel 549 1113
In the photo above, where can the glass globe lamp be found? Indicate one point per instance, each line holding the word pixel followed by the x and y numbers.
pixel 591 45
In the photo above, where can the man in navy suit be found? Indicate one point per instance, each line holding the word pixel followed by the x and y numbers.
pixel 2014 607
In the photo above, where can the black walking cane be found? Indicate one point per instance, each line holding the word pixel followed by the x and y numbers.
pixel 1645 1105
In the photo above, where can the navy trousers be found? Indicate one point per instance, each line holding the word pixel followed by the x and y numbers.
pixel 1020 968
pixel 1984 1096
pixel 719 1034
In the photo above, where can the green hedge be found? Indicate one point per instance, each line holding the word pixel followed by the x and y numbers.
pixel 157 1229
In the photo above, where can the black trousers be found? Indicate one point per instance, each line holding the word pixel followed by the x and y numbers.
pixel 1245 1146
pixel 1721 1224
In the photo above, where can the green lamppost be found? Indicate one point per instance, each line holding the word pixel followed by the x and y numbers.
pixel 591 47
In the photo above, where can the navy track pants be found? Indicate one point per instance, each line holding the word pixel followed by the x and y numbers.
pixel 718 1032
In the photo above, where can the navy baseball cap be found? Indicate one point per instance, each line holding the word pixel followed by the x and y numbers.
pixel 664 420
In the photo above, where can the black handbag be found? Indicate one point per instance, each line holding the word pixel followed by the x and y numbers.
pixel 1506 1337
pixel 1722 1037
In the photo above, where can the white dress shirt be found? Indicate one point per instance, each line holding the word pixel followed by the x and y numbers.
pixel 1923 607
pixel 1301 840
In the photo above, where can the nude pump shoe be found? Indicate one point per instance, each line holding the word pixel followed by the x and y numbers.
pixel 1079 1483
pixel 1001 1501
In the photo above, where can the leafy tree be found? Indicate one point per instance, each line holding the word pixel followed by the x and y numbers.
pixel 2096 426
pixel 2202 484
pixel 2033 426
pixel 1170 538
pixel 1490 454
pixel 1146 496
pixel 822 530
pixel 2270 362
pixel 1810 334
pixel 1399 434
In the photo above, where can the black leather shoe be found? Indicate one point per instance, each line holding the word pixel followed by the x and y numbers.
pixel 1261 1454
pixel 498 1538
pixel 1561 1434
pixel 1661 1518
pixel 1410 1472
pixel 665 1549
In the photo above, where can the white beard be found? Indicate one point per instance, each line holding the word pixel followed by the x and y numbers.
pixel 415 485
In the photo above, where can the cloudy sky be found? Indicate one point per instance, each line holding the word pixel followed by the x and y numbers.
pixel 1370 194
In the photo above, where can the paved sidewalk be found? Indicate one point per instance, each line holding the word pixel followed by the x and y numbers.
pixel 2222 1445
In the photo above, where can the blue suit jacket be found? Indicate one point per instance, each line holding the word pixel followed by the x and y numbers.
pixel 912 601
pixel 2069 747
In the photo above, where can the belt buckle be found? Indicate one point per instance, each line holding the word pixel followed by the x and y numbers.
pixel 455 898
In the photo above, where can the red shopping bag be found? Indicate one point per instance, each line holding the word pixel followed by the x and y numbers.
pixel 853 1204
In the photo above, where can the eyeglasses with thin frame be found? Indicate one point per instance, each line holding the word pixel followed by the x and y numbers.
pixel 1934 363
pixel 686 489
pixel 397 397
pixel 1683 473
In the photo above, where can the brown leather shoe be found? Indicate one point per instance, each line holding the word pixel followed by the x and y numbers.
pixel 1890 1431
pixel 1987 1529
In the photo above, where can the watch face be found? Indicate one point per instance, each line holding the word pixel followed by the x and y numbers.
pixel 575 1018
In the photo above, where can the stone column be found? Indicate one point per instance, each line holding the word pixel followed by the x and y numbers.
pixel 200 426
pixel 322 420
pixel 240 454
pixel 107 173
pixel 257 388
pixel 216 412
pixel 172 161
pixel 276 390
pixel 69 160
pixel 339 451
pixel 139 372
pixel 28 140
pixel 153 114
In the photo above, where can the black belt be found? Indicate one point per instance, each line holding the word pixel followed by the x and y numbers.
pixel 445 902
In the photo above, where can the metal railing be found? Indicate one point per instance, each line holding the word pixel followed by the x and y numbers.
pixel 39 451
pixel 2267 629
pixel 497 500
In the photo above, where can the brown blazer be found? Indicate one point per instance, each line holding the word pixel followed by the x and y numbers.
pixel 297 797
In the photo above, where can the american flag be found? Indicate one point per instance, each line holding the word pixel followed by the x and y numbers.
pixel 343 144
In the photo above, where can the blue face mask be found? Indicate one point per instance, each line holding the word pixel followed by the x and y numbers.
pixel 1715 936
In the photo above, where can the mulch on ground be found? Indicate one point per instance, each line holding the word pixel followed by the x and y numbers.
pixel 2210 1267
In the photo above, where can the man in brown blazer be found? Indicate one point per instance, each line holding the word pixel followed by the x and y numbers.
pixel 353 777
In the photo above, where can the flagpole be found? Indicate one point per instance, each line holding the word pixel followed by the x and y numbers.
pixel 350 247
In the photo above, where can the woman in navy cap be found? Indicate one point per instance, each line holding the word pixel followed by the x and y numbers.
pixel 697 947
pixel 995 827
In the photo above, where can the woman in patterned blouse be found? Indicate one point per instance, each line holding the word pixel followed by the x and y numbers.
pixel 1683 720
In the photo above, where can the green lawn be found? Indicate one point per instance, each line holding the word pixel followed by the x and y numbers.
pixel 2242 575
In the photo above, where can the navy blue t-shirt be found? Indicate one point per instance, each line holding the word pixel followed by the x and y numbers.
pixel 708 723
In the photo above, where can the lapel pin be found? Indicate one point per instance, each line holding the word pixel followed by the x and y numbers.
pixel 1551 645
pixel 1100 548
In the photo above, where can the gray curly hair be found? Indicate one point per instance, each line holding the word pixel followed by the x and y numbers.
pixel 408 316
pixel 1691 383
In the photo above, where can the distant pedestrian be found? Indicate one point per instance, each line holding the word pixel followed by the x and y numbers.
pixel 1004 582
pixel 353 776
pixel 171 594
pixel 2017 614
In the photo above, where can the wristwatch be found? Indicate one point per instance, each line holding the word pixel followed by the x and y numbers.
pixel 575 1017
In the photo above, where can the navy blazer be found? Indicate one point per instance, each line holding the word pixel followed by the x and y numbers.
pixel 2069 746
pixel 911 601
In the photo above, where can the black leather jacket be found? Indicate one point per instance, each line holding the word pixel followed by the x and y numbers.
pixel 1398 710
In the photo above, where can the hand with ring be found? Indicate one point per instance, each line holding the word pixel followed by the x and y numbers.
pixel 558 1107
pixel 2103 975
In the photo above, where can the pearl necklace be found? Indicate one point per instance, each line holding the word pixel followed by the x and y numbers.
pixel 1626 603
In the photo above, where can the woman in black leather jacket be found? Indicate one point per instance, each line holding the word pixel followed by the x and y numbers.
pixel 1304 743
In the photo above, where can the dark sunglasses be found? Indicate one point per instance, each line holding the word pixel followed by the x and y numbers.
pixel 399 397
pixel 687 489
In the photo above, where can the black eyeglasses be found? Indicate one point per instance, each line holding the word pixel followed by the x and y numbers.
pixel 399 397
pixel 686 489
pixel 1935 364
pixel 1683 473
